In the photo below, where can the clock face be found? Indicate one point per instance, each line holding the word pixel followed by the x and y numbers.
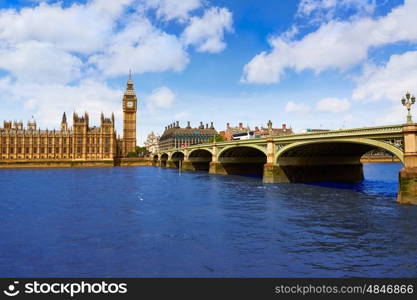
pixel 129 104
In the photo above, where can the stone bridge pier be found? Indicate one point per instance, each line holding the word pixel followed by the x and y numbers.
pixel 407 191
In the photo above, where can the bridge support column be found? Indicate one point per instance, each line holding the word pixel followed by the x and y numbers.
pixel 217 168
pixel 171 164
pixel 407 189
pixel 272 172
pixel 187 166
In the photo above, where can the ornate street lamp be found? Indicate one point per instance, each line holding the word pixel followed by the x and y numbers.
pixel 408 101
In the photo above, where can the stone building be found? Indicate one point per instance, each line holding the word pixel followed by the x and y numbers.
pixel 81 142
pixel 230 131
pixel 152 143
pixel 175 137
pixel 257 131
pixel 270 131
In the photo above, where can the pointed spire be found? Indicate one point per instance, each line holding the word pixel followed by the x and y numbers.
pixel 64 118
pixel 129 86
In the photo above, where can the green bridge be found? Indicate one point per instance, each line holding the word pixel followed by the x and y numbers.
pixel 311 157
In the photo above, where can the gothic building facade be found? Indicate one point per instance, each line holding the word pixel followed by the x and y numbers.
pixel 81 142
pixel 175 137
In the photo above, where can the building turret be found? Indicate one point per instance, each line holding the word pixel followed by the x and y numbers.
pixel 32 124
pixel 64 124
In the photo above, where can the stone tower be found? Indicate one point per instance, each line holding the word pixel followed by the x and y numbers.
pixel 64 124
pixel 129 118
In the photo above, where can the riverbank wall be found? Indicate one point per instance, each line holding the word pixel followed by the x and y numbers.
pixel 67 163
pixel 379 159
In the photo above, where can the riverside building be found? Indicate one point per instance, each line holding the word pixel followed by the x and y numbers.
pixel 176 137
pixel 79 142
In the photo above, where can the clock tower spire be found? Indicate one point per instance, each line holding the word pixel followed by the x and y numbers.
pixel 129 117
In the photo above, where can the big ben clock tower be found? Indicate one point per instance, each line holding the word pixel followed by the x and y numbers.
pixel 129 118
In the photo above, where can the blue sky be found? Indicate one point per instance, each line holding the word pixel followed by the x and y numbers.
pixel 308 63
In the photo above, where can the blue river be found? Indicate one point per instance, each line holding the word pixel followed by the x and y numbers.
pixel 156 222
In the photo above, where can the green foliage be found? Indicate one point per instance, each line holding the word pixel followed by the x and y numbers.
pixel 219 138
pixel 132 154
pixel 141 150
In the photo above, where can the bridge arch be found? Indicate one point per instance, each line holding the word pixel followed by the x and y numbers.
pixel 164 158
pixel 228 148
pixel 200 159
pixel 364 141
pixel 199 150
pixel 177 158
pixel 329 160
pixel 244 159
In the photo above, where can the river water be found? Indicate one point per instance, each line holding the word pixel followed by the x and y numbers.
pixel 155 222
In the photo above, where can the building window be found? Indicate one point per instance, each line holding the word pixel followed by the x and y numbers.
pixel 27 150
pixel 12 150
pixel 57 150
pixel 34 150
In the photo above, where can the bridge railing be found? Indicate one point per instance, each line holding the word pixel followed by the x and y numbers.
pixel 391 130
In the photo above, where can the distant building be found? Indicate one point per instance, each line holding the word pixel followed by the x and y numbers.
pixel 152 143
pixel 230 131
pixel 256 132
pixel 175 137
pixel 270 131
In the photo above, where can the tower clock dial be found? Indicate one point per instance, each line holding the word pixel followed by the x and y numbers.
pixel 129 104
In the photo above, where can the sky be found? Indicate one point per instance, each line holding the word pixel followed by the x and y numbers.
pixel 308 64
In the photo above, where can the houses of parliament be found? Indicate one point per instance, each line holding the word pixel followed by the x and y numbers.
pixel 79 143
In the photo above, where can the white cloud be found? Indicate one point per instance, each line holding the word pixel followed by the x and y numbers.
pixel 333 105
pixel 297 107
pixel 173 9
pixel 181 115
pixel 319 10
pixel 335 45
pixel 207 33
pixel 34 61
pixel 389 81
pixel 49 101
pixel 161 97
pixel 79 28
pixel 142 47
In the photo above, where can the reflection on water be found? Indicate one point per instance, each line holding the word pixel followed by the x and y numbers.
pixel 158 222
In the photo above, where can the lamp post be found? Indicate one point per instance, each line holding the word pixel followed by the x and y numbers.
pixel 408 101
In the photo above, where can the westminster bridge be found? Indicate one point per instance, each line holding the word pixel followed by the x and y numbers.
pixel 310 157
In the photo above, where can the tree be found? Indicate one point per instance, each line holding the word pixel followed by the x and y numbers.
pixel 219 138
pixel 141 151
